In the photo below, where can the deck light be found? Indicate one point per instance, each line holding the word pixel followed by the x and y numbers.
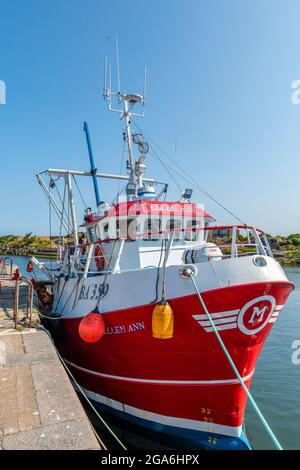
pixel 187 194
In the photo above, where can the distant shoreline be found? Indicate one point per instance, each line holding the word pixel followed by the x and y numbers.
pixel 286 250
pixel 29 255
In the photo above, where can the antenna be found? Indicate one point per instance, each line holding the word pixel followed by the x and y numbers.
pixel 123 103
pixel 109 81
pixel 120 97
pixel 105 78
pixel 145 83
pixel 118 65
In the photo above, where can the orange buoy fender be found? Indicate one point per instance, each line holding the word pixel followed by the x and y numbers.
pixel 162 321
pixel 92 327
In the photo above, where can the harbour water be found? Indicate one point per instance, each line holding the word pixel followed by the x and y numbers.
pixel 275 387
pixel 276 384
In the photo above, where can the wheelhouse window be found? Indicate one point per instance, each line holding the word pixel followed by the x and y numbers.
pixel 91 234
pixel 126 228
pixel 105 230
pixel 174 225
pixel 152 228
pixel 191 233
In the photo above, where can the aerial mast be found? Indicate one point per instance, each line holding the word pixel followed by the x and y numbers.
pixel 128 100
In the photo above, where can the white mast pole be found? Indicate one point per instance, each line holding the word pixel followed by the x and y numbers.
pixel 72 207
pixel 129 141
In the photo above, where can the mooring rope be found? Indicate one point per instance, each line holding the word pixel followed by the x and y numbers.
pixel 251 399
pixel 49 317
pixel 83 393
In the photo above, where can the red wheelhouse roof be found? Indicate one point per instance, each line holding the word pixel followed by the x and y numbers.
pixel 135 208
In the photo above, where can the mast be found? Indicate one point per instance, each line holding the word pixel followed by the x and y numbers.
pixel 128 100
pixel 68 180
pixel 132 178
pixel 93 167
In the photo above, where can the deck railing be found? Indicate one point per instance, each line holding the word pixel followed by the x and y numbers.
pixel 228 238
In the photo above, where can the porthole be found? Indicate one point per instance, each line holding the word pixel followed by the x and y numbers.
pixel 259 261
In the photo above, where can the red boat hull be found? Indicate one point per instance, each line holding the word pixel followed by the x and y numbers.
pixel 187 381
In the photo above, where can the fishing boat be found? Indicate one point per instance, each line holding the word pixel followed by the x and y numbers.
pixel 126 316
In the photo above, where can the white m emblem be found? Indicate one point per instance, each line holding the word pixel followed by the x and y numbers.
pixel 258 313
pixel 259 309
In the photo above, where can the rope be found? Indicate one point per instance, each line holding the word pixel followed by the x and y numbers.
pixel 106 273
pixel 48 317
pixel 167 168
pixel 188 178
pixel 62 201
pixel 80 193
pixel 121 167
pixel 62 310
pixel 61 292
pixel 164 292
pixel 50 232
pixel 52 206
pixel 158 272
pixel 251 399
pixel 62 211
pixel 84 394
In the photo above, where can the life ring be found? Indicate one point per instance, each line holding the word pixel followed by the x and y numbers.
pixel 99 257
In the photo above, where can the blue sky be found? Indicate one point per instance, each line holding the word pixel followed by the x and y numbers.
pixel 219 84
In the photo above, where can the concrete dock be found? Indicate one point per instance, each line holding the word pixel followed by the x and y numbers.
pixel 39 408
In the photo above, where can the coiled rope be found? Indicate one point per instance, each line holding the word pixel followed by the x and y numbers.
pixel 251 399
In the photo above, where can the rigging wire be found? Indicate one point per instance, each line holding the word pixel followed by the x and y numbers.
pixel 190 179
pixel 63 207
pixel 80 193
pixel 118 194
pixel 121 167
pixel 63 211
pixel 167 168
pixel 53 207
pixel 50 231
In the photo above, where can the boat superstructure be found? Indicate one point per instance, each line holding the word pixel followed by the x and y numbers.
pixel 167 374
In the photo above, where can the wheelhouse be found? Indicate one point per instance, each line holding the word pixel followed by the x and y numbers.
pixel 141 228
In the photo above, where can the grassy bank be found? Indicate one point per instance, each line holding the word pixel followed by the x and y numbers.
pixel 285 248
pixel 28 245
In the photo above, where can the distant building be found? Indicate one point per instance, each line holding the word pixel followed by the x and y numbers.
pixel 221 233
